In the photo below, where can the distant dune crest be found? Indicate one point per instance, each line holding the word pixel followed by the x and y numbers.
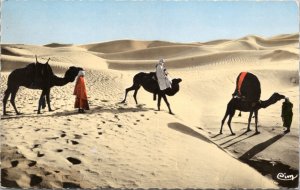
pixel 133 54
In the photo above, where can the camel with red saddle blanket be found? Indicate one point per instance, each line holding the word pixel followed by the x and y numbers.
pixel 246 98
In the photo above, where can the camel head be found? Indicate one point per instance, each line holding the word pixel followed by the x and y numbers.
pixel 175 87
pixel 176 81
pixel 72 73
pixel 276 97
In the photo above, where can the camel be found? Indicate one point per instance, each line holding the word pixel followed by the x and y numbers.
pixel 249 101
pixel 36 76
pixel 149 83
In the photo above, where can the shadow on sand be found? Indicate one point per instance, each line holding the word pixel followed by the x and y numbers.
pixel 188 131
pixel 272 168
pixel 96 109
pixel 260 147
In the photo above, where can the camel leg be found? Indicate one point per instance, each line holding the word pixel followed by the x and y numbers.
pixel 229 112
pixel 249 121
pixel 166 101
pixel 41 101
pixel 48 100
pixel 133 87
pixel 154 96
pixel 158 102
pixel 12 100
pixel 135 93
pixel 229 122
pixel 5 98
pixel 223 120
pixel 256 121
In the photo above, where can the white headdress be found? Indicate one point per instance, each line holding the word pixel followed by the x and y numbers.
pixel 81 73
pixel 161 61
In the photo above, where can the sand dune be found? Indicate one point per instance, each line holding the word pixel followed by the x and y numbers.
pixel 135 146
pixel 55 45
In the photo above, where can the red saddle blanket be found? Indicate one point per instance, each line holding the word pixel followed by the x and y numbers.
pixel 240 82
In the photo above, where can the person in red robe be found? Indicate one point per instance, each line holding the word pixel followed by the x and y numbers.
pixel 81 101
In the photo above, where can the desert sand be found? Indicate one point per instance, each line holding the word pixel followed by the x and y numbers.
pixel 135 146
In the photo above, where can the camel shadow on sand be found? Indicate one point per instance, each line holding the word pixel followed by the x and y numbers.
pixel 267 167
pixel 188 131
pixel 93 110
pixel 260 147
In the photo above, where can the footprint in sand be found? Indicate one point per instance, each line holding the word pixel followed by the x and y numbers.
pixel 74 161
pixel 117 117
pixel 74 142
pixel 32 163
pixel 99 133
pixel 35 146
pixel 35 180
pixel 58 150
pixel 14 163
pixel 40 154
pixel 63 135
pixel 142 115
pixel 77 136
pixel 119 126
pixel 137 120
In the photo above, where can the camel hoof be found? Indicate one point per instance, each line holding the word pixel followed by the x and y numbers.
pixel 220 133
pixel 232 134
pixel 287 131
pixel 171 113
pixel 18 113
pixel 257 132
pixel 39 113
pixel 122 102
pixel 51 110
pixel 248 130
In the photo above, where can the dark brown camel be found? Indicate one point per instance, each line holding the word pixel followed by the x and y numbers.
pixel 149 83
pixel 36 76
pixel 248 100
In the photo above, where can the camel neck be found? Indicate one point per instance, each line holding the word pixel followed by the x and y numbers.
pixel 58 81
pixel 267 103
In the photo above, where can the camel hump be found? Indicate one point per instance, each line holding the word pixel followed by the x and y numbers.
pixel 248 86
pixel 38 73
pixel 143 77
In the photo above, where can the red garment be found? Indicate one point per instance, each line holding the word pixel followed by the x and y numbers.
pixel 240 82
pixel 81 95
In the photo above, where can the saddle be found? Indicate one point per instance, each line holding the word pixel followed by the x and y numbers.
pixel 36 72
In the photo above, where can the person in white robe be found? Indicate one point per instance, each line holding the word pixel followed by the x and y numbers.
pixel 164 81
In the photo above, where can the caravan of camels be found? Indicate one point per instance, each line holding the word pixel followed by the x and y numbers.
pixel 125 138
